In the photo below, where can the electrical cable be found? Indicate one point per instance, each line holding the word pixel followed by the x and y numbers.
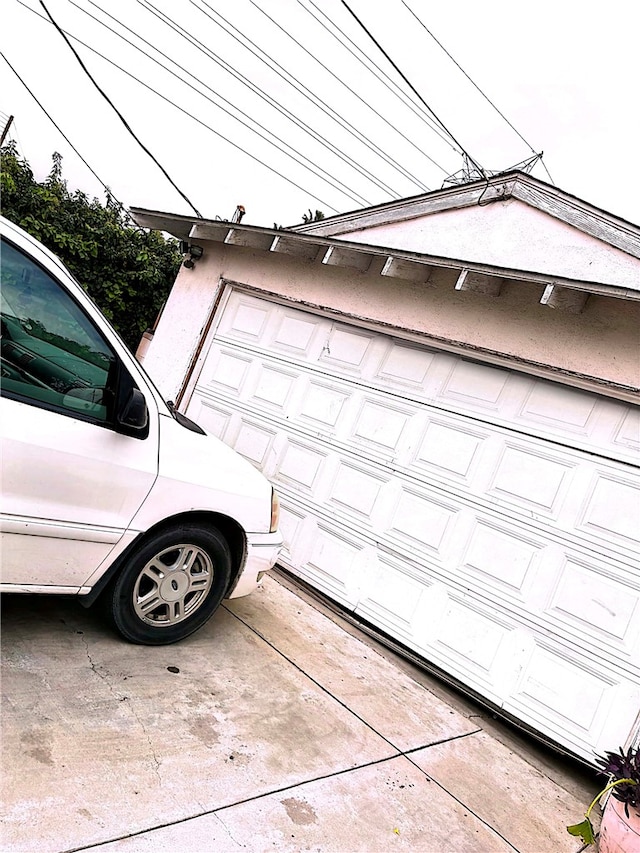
pixel 256 90
pixel 297 156
pixel 473 83
pixel 318 102
pixel 382 76
pixel 349 89
pixel 64 136
pixel 119 114
pixel 413 89
pixel 192 117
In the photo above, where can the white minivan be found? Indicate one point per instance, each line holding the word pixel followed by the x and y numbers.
pixel 106 489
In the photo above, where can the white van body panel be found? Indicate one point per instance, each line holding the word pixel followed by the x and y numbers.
pixel 200 473
pixel 77 494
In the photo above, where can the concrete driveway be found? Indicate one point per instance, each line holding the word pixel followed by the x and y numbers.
pixel 273 728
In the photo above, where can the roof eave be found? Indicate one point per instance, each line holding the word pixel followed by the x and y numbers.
pixel 332 251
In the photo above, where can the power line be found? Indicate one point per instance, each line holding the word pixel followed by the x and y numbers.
pixel 192 117
pixel 473 83
pixel 355 94
pixel 299 156
pixel 119 114
pixel 62 133
pixel 382 76
pixel 256 90
pixel 413 89
pixel 315 100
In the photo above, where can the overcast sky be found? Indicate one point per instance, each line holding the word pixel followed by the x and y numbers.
pixel 564 73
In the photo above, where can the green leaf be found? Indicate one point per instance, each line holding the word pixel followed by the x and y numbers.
pixel 584 829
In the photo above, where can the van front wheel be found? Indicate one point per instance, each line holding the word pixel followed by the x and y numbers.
pixel 171 585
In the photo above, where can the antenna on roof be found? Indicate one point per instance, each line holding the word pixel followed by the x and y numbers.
pixel 468 174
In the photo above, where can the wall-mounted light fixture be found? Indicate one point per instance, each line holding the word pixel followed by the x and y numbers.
pixel 190 253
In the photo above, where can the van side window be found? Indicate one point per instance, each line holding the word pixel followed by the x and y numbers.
pixel 52 355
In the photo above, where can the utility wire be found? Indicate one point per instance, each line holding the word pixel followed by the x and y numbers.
pixel 382 76
pixel 256 90
pixel 315 100
pixel 473 83
pixel 64 136
pixel 349 89
pixel 413 89
pixel 197 120
pixel 297 156
pixel 119 114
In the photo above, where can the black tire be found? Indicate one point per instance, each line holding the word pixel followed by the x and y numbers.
pixel 171 585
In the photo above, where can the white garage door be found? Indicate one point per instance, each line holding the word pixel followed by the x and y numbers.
pixel 487 519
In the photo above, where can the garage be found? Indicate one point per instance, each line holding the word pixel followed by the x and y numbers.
pixel 445 392
pixel 485 518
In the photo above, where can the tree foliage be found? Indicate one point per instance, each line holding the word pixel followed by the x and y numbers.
pixel 318 216
pixel 128 272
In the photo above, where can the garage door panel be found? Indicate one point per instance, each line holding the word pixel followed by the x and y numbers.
pixel 212 416
pixel 448 381
pixel 338 564
pixel 346 350
pixel 246 318
pixel 322 405
pixel 565 410
pixel 300 465
pixel 450 448
pixel 356 490
pixel 544 490
pixel 582 706
pixel 255 442
pixel 481 388
pixel 410 367
pixel 401 602
pixel 597 602
pixel 230 370
pixel 502 559
pixel 627 433
pixel 421 521
pixel 274 387
pixel 613 509
pixel 531 479
pixel 293 520
pixel 487 519
pixel 296 333
pixel 379 426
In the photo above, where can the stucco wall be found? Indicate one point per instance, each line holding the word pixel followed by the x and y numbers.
pixel 601 342
pixel 510 234
pixel 181 326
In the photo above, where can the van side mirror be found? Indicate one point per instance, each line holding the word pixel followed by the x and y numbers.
pixel 133 416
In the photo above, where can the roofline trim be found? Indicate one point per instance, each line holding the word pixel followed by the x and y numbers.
pixel 259 238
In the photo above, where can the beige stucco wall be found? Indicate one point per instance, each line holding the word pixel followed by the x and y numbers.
pixel 602 342
pixel 509 234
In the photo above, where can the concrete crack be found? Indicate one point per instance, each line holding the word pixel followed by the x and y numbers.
pixel 228 831
pixel 104 676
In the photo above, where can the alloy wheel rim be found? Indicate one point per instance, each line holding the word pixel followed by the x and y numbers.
pixel 173 585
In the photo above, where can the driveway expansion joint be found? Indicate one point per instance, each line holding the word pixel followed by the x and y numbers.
pixel 313 680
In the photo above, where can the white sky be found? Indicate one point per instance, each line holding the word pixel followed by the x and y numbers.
pixel 563 72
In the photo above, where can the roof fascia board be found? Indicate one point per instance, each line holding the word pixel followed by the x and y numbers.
pixel 399 211
pixel 264 239
pixel 580 215
pixel 561 205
